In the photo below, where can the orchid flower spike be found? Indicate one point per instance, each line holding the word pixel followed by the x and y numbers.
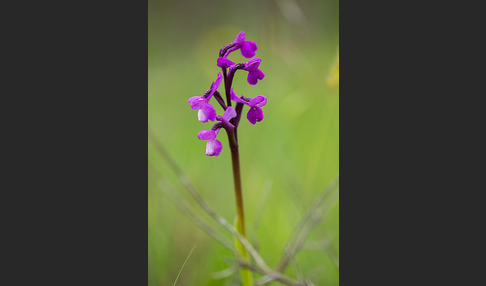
pixel 214 146
pixel 201 103
pixel 255 114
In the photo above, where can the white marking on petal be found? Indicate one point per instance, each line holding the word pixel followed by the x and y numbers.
pixel 210 148
pixel 201 116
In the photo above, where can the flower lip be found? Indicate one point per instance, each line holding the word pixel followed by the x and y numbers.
pixel 255 114
pixel 213 146
pixel 248 49
pixel 206 113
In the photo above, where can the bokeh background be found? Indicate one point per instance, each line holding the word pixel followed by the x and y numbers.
pixel 286 160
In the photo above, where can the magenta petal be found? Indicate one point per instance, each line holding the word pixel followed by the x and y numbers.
pixel 229 113
pixel 224 63
pixel 215 85
pixel 258 101
pixel 255 114
pixel 240 38
pixel 252 78
pixel 252 45
pixel 213 147
pixel 218 80
pixel 235 97
pixel 193 100
pixel 252 64
pixel 206 113
pixel 260 74
pixel 248 49
pixel 197 102
pixel 206 135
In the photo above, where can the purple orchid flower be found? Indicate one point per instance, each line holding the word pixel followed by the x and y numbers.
pixel 247 48
pixel 214 146
pixel 255 114
pixel 201 103
pixel 254 73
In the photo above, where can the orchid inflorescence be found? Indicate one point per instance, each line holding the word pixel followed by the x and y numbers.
pixel 231 117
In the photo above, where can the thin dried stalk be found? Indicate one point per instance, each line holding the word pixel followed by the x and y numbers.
pixel 310 219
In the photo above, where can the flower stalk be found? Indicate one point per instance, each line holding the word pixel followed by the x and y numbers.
pixel 235 160
pixel 246 275
pixel 230 121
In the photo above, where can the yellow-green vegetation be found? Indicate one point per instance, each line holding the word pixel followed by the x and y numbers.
pixel 333 77
pixel 246 277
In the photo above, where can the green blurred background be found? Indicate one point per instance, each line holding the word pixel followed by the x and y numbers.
pixel 286 160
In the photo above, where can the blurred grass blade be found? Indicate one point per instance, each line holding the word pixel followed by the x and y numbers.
pixel 183 265
pixel 246 278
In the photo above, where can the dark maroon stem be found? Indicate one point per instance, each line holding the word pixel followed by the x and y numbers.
pixel 235 159
pixel 233 142
pixel 220 100
pixel 224 50
pixel 226 90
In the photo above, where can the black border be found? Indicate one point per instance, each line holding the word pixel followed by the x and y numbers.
pixel 77 136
